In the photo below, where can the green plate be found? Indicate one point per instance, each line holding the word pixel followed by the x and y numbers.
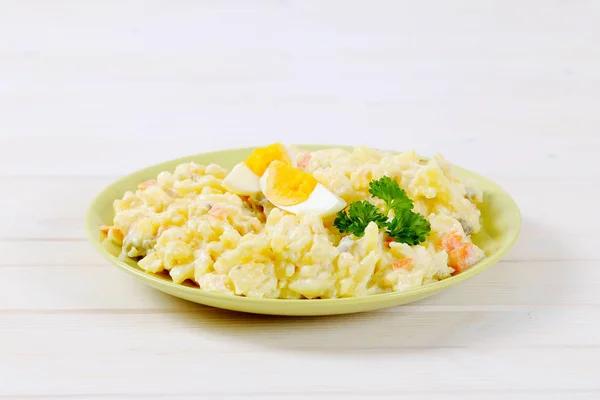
pixel 501 226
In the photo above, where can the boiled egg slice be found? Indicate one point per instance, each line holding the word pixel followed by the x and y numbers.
pixel 297 191
pixel 244 178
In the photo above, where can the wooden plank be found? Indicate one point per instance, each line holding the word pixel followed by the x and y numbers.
pixel 49 253
pixel 42 207
pixel 341 395
pixel 554 158
pixel 85 355
pixel 509 286
pixel 229 332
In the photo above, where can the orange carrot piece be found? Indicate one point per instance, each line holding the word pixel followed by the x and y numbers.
pixel 450 241
pixel 405 263
pixel 458 258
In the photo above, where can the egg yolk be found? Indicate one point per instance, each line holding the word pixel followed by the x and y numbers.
pixel 261 158
pixel 287 186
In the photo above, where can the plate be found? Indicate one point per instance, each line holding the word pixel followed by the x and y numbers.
pixel 501 224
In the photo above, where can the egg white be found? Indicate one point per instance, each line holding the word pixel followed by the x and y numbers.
pixel 321 201
pixel 241 180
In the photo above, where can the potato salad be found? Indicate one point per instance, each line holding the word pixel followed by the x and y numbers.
pixel 292 224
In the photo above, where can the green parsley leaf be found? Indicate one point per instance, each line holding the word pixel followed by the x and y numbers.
pixel 389 191
pixel 408 227
pixel 358 216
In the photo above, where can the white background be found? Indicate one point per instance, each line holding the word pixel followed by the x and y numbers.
pixel 90 91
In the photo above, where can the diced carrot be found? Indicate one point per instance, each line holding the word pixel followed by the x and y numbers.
pixel 405 263
pixel 304 161
pixel 147 184
pixel 458 258
pixel 450 241
pixel 218 211
pixel 388 240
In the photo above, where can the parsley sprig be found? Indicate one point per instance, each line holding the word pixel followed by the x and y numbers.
pixel 408 227
pixel 405 227
pixel 358 216
pixel 389 191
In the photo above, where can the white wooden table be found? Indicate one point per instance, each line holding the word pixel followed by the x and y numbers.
pixel 90 91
